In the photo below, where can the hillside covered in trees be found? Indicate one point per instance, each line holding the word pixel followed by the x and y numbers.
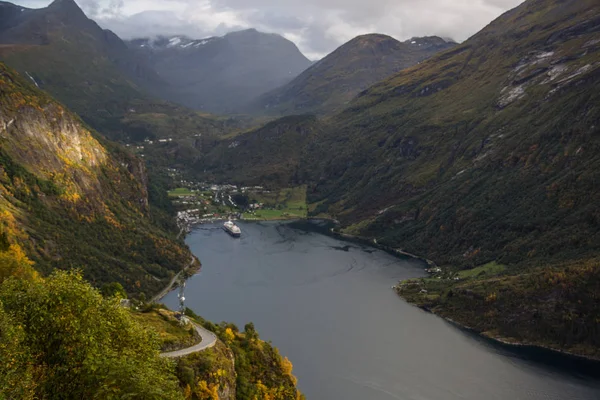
pixel 60 338
pixel 70 199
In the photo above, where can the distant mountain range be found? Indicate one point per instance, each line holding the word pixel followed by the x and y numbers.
pixel 220 74
pixel 102 77
pixel 331 83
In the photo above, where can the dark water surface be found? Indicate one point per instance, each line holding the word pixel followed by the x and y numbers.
pixel 329 307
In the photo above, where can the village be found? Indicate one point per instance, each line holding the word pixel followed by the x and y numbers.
pixel 201 202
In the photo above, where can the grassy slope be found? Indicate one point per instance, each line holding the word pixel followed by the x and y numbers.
pixel 171 334
pixel 334 81
pixel 552 306
pixel 433 148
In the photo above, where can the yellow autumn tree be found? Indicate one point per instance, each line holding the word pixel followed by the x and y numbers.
pixel 14 262
pixel 265 393
pixel 187 392
pixel 206 391
pixel 287 367
pixel 229 336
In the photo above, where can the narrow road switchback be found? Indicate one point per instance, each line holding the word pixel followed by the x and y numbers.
pixel 209 340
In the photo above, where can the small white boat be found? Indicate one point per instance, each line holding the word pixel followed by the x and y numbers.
pixel 232 229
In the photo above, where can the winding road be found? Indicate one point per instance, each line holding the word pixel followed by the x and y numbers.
pixel 169 287
pixel 209 340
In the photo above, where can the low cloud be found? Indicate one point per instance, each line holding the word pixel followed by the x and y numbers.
pixel 317 26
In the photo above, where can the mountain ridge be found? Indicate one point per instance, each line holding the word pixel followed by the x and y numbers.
pixel 329 84
pixel 221 73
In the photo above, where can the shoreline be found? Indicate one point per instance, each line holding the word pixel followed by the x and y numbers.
pixel 397 253
pixel 431 264
pixel 388 249
pixel 506 341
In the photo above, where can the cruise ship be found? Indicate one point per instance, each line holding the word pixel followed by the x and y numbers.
pixel 232 229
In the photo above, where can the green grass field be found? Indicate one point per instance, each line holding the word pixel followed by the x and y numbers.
pixel 180 192
pixel 274 215
pixel 289 203
pixel 488 269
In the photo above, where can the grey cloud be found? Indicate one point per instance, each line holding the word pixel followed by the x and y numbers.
pixel 275 20
pixel 317 26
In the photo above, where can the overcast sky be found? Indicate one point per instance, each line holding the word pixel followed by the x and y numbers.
pixel 316 26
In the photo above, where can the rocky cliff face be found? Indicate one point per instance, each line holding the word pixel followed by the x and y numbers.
pixel 80 202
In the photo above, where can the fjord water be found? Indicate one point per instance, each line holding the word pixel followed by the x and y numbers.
pixel 328 306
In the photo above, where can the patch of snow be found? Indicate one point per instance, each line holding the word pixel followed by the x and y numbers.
pixel 522 64
pixel 202 42
pixel 5 126
pixel 184 46
pixel 174 42
pixel 413 42
pixel 384 210
pixel 31 77
pixel 545 55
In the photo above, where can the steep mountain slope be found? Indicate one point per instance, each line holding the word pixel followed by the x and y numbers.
pixel 72 201
pixel 271 155
pixel 83 65
pixel 94 73
pixel 335 80
pixel 487 152
pixel 219 74
pixel 509 118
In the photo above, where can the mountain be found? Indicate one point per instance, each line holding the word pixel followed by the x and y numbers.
pixel 332 82
pixel 270 155
pixel 485 159
pixel 220 74
pixel 87 67
pixel 95 74
pixel 72 200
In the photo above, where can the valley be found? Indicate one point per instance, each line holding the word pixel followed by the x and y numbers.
pixel 121 156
